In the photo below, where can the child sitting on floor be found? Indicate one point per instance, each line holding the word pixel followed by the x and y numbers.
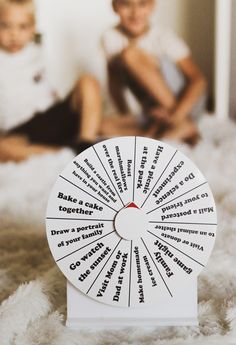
pixel 156 65
pixel 32 117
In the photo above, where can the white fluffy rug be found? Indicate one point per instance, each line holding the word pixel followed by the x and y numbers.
pixel 34 313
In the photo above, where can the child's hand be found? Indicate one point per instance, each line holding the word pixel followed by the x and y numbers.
pixel 162 115
pixel 177 117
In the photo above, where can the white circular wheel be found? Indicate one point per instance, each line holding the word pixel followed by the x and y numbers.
pixel 129 220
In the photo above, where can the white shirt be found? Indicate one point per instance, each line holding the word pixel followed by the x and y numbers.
pixel 24 86
pixel 157 41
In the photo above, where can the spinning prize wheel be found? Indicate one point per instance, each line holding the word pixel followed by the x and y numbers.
pixel 129 219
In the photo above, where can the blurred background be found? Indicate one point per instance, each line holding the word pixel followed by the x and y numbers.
pixel 232 63
pixel 73 28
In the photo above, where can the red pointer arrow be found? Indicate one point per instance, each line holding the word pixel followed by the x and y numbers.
pixel 132 205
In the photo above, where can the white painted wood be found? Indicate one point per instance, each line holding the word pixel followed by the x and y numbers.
pixel 85 313
pixel 223 43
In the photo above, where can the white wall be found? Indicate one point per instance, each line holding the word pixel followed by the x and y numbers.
pixel 233 64
pixel 74 28
pixel 194 20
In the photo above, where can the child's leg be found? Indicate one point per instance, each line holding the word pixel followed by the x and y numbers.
pixel 86 101
pixel 58 126
pixel 144 70
pixel 124 126
pixel 120 126
pixel 117 83
pixel 17 149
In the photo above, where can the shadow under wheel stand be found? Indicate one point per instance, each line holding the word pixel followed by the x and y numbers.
pixel 131 223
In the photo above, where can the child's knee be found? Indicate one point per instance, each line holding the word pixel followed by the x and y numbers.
pixel 88 83
pixel 129 55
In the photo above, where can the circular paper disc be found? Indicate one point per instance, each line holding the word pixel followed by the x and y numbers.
pixel 129 220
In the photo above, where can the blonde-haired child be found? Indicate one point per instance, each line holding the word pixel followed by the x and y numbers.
pixel 157 66
pixel 32 117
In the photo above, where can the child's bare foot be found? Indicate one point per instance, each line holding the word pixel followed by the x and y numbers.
pixel 18 148
pixel 186 131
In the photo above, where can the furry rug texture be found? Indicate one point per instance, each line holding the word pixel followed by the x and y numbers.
pixel 34 314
